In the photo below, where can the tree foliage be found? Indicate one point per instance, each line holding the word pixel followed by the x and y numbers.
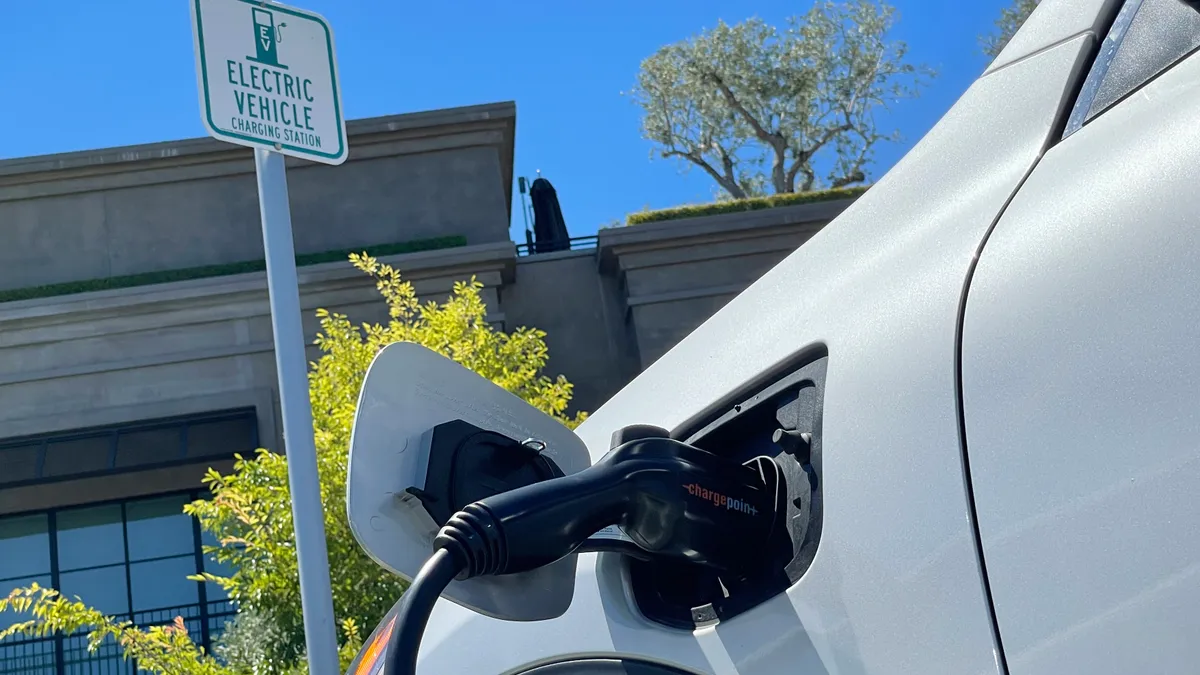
pixel 763 110
pixel 249 512
pixel 1010 20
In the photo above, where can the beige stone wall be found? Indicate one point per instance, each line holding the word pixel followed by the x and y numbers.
pixel 174 349
pixel 167 206
pixel 674 275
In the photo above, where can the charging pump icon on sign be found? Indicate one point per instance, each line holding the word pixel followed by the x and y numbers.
pixel 267 38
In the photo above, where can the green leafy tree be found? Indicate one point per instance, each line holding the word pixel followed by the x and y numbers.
pixel 249 511
pixel 1011 20
pixel 762 110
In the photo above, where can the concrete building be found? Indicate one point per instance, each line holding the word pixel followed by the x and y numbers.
pixel 136 347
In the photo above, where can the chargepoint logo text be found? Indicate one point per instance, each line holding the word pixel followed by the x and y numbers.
pixel 718 499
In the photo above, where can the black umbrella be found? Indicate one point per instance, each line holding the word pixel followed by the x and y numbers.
pixel 549 228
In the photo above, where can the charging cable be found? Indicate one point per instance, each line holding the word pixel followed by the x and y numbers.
pixel 673 501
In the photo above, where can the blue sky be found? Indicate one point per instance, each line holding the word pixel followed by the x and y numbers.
pixel 81 74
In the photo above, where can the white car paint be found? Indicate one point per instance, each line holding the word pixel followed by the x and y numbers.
pixel 1082 390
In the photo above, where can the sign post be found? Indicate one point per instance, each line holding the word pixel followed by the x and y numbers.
pixel 267 76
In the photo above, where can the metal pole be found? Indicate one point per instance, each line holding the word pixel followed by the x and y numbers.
pixel 316 596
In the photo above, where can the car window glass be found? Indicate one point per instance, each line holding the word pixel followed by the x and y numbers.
pixel 1157 35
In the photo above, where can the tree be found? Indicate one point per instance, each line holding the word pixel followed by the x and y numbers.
pixel 249 511
pixel 758 110
pixel 1011 19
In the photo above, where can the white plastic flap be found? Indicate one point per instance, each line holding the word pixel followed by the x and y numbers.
pixel 407 391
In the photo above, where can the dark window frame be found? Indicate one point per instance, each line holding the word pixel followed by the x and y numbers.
pixel 61 654
pixel 113 433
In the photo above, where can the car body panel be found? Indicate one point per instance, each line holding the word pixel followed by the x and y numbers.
pixel 1052 23
pixel 896 585
pixel 1082 395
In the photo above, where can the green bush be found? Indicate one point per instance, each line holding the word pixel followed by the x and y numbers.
pixel 751 204
pixel 166 276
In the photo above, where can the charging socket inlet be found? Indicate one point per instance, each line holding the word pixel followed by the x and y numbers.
pixel 773 425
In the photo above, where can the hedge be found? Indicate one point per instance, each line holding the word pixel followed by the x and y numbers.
pixel 166 276
pixel 751 204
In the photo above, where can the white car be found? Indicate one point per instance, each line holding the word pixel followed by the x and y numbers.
pixel 996 353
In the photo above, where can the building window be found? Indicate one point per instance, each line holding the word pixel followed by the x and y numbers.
pixel 130 558
pixel 130 447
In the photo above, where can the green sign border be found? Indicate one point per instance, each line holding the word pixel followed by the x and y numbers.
pixel 337 106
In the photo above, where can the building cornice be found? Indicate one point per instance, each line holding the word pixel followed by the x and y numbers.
pixel 492 124
pixel 693 233
pixel 429 271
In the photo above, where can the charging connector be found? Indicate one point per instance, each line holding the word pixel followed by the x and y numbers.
pixel 673 500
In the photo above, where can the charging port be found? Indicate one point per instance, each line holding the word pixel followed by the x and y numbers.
pixel 774 426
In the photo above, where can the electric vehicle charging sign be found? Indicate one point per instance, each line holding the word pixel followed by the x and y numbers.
pixel 267 75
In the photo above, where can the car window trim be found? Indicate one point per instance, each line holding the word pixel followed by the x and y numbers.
pixel 1100 66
